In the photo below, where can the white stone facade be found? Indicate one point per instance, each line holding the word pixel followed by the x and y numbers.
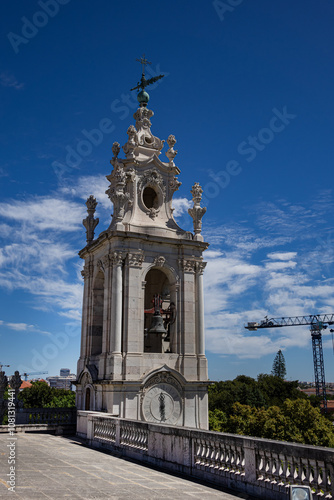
pixel 124 369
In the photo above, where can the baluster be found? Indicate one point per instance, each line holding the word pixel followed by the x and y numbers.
pixel 217 456
pixel 232 460
pixel 313 474
pixel 319 478
pixel 197 448
pixel 203 453
pixel 274 467
pixel 227 459
pixel 282 469
pixel 211 457
pixel 221 457
pixel 237 462
pixel 329 474
pixel 260 465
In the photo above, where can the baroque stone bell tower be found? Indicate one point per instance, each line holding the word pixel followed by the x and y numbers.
pixel 142 345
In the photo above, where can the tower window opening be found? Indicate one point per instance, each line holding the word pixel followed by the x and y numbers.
pixel 87 399
pixel 156 339
pixel 150 198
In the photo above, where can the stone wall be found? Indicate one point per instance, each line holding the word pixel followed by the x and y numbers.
pixel 260 467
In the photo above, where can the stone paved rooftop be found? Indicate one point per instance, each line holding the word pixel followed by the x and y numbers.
pixel 57 467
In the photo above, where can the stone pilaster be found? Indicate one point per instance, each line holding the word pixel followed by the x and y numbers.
pixel 134 315
pixel 87 274
pixel 117 295
pixel 200 266
pixel 188 322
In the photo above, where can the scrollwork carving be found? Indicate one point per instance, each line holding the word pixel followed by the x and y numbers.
pixel 200 266
pixel 135 259
pixel 143 126
pixel 159 261
pixel 116 258
pixel 163 377
pixel 88 270
pixel 104 263
pixel 116 192
pixel 174 184
pixel 132 143
pixel 188 265
pixel 151 178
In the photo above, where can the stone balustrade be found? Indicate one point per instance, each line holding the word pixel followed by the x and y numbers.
pixel 46 416
pixel 260 467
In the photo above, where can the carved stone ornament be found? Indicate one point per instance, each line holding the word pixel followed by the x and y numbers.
pixel 132 143
pixel 16 381
pixel 135 259
pixel 90 222
pixel 188 265
pixel 171 152
pixel 159 261
pixel 174 184
pixel 197 211
pixel 151 178
pixel 200 266
pixel 116 258
pixel 88 270
pixel 116 192
pixel 116 148
pixel 160 378
pixel 144 134
pixel 104 263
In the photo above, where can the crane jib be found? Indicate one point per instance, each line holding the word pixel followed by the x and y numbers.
pixel 317 323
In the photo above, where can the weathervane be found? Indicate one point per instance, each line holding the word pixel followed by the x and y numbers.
pixel 143 96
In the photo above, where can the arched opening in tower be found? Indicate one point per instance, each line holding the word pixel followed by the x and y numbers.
pixel 97 324
pixel 87 399
pixel 156 319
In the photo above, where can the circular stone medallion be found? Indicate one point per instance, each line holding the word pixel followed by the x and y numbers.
pixel 162 403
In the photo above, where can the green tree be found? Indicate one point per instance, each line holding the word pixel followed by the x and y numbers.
pixel 276 390
pixel 41 395
pixel 279 368
pixel 295 421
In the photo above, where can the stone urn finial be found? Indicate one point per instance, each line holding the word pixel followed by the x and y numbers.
pixel 90 222
pixel 171 152
pixel 197 211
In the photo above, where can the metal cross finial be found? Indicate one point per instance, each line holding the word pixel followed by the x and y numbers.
pixel 143 61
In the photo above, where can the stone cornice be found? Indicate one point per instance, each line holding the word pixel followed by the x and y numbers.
pixel 122 236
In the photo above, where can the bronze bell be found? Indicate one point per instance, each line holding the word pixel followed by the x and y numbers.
pixel 157 325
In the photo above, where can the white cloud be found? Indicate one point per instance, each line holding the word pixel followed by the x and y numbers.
pixel 37 260
pixel 181 206
pixel 85 186
pixel 275 266
pixel 19 327
pixel 241 285
pixel 43 213
pixel 282 255
pixel 9 80
pixel 23 327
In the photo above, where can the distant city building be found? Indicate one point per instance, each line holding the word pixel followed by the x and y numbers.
pixel 62 381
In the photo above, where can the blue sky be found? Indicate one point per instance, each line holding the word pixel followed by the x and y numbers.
pixel 248 93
